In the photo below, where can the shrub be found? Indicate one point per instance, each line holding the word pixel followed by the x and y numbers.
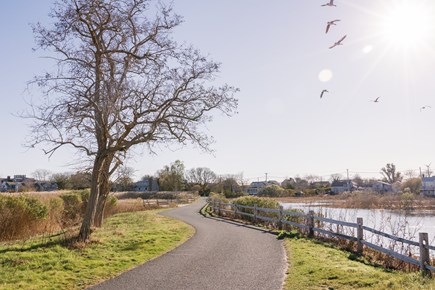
pixel 73 208
pixel 259 201
pixel 21 216
pixel 111 205
pixel 273 191
pixel 217 197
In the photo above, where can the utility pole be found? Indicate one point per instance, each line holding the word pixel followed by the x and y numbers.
pixel 266 176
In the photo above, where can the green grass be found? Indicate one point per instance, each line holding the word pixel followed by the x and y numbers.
pixel 314 265
pixel 125 241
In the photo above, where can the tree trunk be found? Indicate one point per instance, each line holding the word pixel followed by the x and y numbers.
pixel 99 215
pixel 104 190
pixel 85 230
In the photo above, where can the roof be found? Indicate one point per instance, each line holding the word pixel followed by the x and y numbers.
pixel 339 183
pixel 258 184
pixel 428 179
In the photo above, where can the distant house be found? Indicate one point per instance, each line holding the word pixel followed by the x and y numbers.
pixel 428 186
pixel 146 184
pixel 21 182
pixel 382 187
pixel 255 186
pixel 339 186
pixel 45 186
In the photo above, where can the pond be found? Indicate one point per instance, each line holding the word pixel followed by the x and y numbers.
pixel 404 224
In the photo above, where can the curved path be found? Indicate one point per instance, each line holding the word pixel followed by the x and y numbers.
pixel 221 255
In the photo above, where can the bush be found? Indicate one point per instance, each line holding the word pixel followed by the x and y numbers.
pixel 273 191
pixel 111 205
pixel 73 208
pixel 21 216
pixel 259 201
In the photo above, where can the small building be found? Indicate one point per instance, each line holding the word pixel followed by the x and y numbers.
pixel 382 187
pixel 146 184
pixel 255 187
pixel 45 186
pixel 340 186
pixel 428 186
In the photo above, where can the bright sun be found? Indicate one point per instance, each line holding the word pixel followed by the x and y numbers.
pixel 407 24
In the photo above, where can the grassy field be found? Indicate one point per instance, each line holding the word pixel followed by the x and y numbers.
pixel 125 241
pixel 314 265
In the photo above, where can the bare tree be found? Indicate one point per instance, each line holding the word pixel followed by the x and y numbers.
pixel 336 177
pixel 410 173
pixel 171 177
pixel 124 178
pixel 428 170
pixel 358 180
pixel 201 176
pixel 390 174
pixel 120 81
pixel 41 174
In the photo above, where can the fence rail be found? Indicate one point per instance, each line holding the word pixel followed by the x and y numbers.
pixel 278 218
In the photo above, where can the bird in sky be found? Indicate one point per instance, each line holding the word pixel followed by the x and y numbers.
pixel 324 91
pixel 328 25
pixel 376 100
pixel 425 107
pixel 330 3
pixel 338 42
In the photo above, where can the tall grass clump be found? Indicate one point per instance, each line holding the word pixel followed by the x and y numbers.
pixel 23 216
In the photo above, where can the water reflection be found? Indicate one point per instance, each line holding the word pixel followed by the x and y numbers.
pixel 404 224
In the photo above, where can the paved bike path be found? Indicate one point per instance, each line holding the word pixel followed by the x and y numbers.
pixel 221 255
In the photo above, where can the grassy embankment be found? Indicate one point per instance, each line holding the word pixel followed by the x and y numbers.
pixel 315 265
pixel 126 240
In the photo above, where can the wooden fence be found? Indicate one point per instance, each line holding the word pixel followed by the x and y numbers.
pixel 311 224
pixel 165 202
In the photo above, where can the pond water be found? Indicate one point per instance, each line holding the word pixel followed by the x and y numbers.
pixel 404 224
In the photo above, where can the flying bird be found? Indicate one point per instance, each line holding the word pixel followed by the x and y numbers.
pixel 425 107
pixel 324 91
pixel 376 100
pixel 338 42
pixel 330 3
pixel 328 25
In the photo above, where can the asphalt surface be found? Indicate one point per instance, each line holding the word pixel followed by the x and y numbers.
pixel 221 255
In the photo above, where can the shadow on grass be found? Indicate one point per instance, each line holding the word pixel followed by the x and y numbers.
pixel 59 239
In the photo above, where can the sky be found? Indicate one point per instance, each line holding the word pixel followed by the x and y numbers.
pixel 277 53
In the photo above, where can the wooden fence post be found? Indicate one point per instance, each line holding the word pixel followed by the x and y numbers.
pixel 280 217
pixel 424 253
pixel 255 214
pixel 310 223
pixel 359 235
pixel 219 207
pixel 235 210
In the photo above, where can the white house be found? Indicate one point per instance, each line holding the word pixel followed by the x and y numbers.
pixel 428 186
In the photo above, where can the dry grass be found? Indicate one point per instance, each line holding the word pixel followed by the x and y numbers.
pixel 368 200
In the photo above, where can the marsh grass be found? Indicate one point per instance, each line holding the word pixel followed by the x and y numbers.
pixel 126 240
pixel 317 265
